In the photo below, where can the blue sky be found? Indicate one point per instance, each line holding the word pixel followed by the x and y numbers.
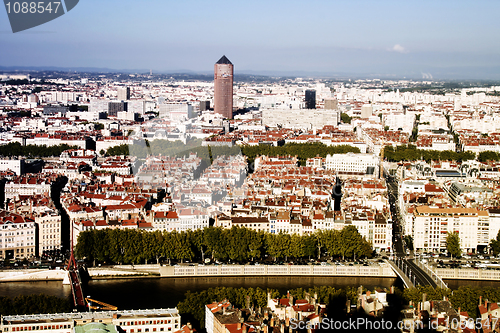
pixel 371 37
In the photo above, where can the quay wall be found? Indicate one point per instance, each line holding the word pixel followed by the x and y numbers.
pixel 27 275
pixel 468 274
pixel 381 270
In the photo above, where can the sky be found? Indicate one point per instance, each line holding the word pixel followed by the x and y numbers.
pixel 425 39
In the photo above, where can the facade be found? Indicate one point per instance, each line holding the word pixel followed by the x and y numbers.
pixel 204 105
pixel 115 107
pixel 123 94
pixel 192 219
pixel 176 111
pixel 128 321
pixel 51 110
pixel 27 186
pixel 310 99
pixel 13 165
pixel 366 111
pixel 350 162
pixel 299 118
pixel 331 104
pixel 17 236
pixel 88 156
pixel 431 226
pixel 49 231
pixel 223 87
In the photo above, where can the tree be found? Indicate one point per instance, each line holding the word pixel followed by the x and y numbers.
pixel 453 244
pixel 409 242
pixel 352 243
pixel 495 244
pixel 297 246
pixel 256 244
pixel 346 119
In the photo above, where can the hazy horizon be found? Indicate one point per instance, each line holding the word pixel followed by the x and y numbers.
pixel 387 38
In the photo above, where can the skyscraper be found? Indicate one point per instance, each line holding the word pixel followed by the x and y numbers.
pixel 223 87
pixel 310 99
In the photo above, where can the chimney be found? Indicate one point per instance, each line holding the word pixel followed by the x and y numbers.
pixel 244 328
pixel 424 298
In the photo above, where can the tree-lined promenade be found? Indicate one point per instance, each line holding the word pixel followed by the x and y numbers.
pixel 237 244
pixel 411 153
pixel 16 149
pixel 303 151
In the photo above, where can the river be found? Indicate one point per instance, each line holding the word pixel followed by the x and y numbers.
pixel 143 293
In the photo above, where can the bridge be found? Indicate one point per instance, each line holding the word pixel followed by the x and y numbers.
pixel 76 285
pixel 411 271
pixel 75 280
pixel 415 273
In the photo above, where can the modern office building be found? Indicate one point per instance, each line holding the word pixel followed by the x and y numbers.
pixel 223 87
pixel 115 107
pixel 204 105
pixel 123 94
pixel 331 104
pixel 310 99
pixel 366 111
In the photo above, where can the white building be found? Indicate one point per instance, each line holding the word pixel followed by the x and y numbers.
pixel 29 186
pixel 17 236
pixel 192 219
pixel 350 162
pixel 432 224
pixel 129 321
pixel 399 120
pixel 13 165
pixel 176 111
pixel 49 231
pixel 300 118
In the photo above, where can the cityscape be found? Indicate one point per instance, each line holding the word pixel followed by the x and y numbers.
pixel 356 188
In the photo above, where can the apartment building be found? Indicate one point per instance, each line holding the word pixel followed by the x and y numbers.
pixel 432 224
pixel 18 236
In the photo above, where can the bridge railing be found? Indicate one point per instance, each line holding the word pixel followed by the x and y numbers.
pixel 402 266
pixel 432 274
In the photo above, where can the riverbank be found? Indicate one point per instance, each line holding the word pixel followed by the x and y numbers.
pixel 156 271
pixel 113 272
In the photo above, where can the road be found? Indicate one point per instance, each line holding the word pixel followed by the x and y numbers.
pixel 421 278
pixel 415 273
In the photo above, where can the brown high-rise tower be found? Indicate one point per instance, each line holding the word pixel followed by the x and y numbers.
pixel 223 87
